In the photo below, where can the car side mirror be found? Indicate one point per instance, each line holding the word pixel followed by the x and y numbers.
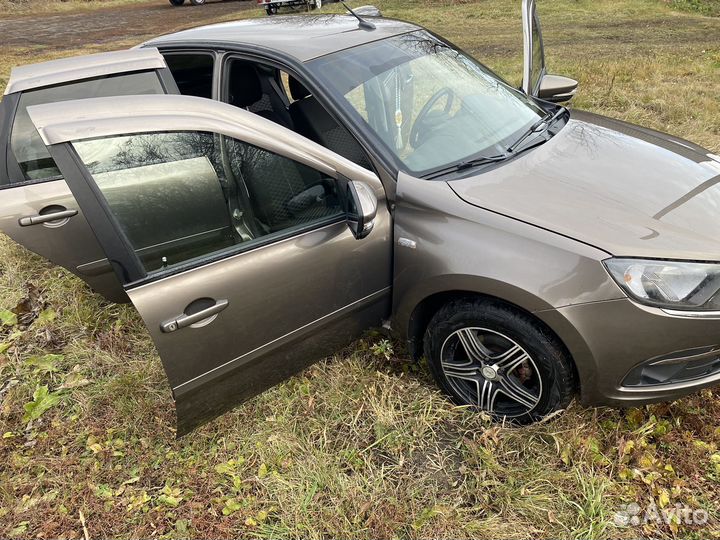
pixel 362 208
pixel 557 89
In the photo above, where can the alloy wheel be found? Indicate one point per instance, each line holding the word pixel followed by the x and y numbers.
pixel 491 371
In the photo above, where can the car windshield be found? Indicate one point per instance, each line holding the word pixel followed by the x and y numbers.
pixel 431 105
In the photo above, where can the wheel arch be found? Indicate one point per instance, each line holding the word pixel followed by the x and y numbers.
pixel 415 305
pixel 423 310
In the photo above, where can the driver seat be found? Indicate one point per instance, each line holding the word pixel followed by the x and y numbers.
pixel 249 88
pixel 314 122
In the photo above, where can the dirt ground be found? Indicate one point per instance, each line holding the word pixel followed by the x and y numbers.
pixel 82 28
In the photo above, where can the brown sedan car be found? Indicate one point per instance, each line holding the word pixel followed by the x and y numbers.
pixel 264 191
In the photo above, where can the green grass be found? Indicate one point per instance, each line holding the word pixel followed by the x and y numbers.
pixel 704 7
pixel 361 445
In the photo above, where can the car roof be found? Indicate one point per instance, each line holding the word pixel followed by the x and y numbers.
pixel 303 36
pixel 82 67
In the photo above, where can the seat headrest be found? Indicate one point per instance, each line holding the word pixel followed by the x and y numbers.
pixel 245 88
pixel 297 89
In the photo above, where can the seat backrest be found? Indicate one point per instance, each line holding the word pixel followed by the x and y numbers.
pixel 250 87
pixel 244 88
pixel 272 182
pixel 314 122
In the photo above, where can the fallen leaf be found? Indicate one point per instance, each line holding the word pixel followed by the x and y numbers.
pixel 42 401
pixel 45 363
pixel 74 380
pixel 8 318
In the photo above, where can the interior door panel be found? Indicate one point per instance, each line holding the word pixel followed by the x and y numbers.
pixel 533 49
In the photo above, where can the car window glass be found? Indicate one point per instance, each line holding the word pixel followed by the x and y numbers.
pixel 538 59
pixel 193 73
pixel 429 104
pixel 25 142
pixel 356 97
pixel 184 195
pixel 285 79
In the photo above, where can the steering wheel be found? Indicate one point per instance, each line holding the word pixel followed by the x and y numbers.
pixel 417 133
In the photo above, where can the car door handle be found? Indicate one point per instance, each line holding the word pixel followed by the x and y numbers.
pixel 38 219
pixel 182 321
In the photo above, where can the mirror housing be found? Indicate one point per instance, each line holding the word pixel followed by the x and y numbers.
pixel 557 89
pixel 362 208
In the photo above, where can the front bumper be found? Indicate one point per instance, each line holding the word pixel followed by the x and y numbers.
pixel 625 352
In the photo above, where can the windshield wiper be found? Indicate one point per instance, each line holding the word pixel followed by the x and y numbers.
pixel 538 127
pixel 466 164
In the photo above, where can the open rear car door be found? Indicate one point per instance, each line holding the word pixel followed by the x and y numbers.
pixel 536 80
pixel 248 250
pixel 38 210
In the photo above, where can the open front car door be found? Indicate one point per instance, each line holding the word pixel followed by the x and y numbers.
pixel 248 250
pixel 536 80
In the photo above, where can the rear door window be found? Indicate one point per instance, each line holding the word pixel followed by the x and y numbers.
pixel 193 73
pixel 25 142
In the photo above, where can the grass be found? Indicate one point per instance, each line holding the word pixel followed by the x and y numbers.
pixel 361 445
pixel 705 7
pixel 34 7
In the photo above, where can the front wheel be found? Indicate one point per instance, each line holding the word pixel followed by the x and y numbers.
pixel 271 9
pixel 177 2
pixel 197 2
pixel 499 360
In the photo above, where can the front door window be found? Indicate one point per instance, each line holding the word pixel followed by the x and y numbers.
pixel 182 196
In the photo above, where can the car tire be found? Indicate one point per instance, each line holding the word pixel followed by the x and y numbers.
pixel 197 2
pixel 177 2
pixel 516 370
pixel 271 9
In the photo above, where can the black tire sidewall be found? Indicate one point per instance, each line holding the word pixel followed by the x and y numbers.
pixel 552 367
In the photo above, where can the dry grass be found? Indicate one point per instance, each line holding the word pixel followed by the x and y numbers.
pixel 360 445
pixel 35 7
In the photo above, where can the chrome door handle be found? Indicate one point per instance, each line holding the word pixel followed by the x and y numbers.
pixel 44 218
pixel 182 321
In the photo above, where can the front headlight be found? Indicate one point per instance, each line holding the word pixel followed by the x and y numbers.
pixel 670 284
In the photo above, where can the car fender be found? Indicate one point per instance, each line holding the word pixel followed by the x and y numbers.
pixel 446 248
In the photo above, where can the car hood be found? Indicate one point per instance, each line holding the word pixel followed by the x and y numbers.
pixel 627 190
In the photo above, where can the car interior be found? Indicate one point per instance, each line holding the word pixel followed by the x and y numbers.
pixel 193 73
pixel 267 194
pixel 267 92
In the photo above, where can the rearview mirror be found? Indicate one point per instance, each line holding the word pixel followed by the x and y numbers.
pixel 557 89
pixel 362 208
